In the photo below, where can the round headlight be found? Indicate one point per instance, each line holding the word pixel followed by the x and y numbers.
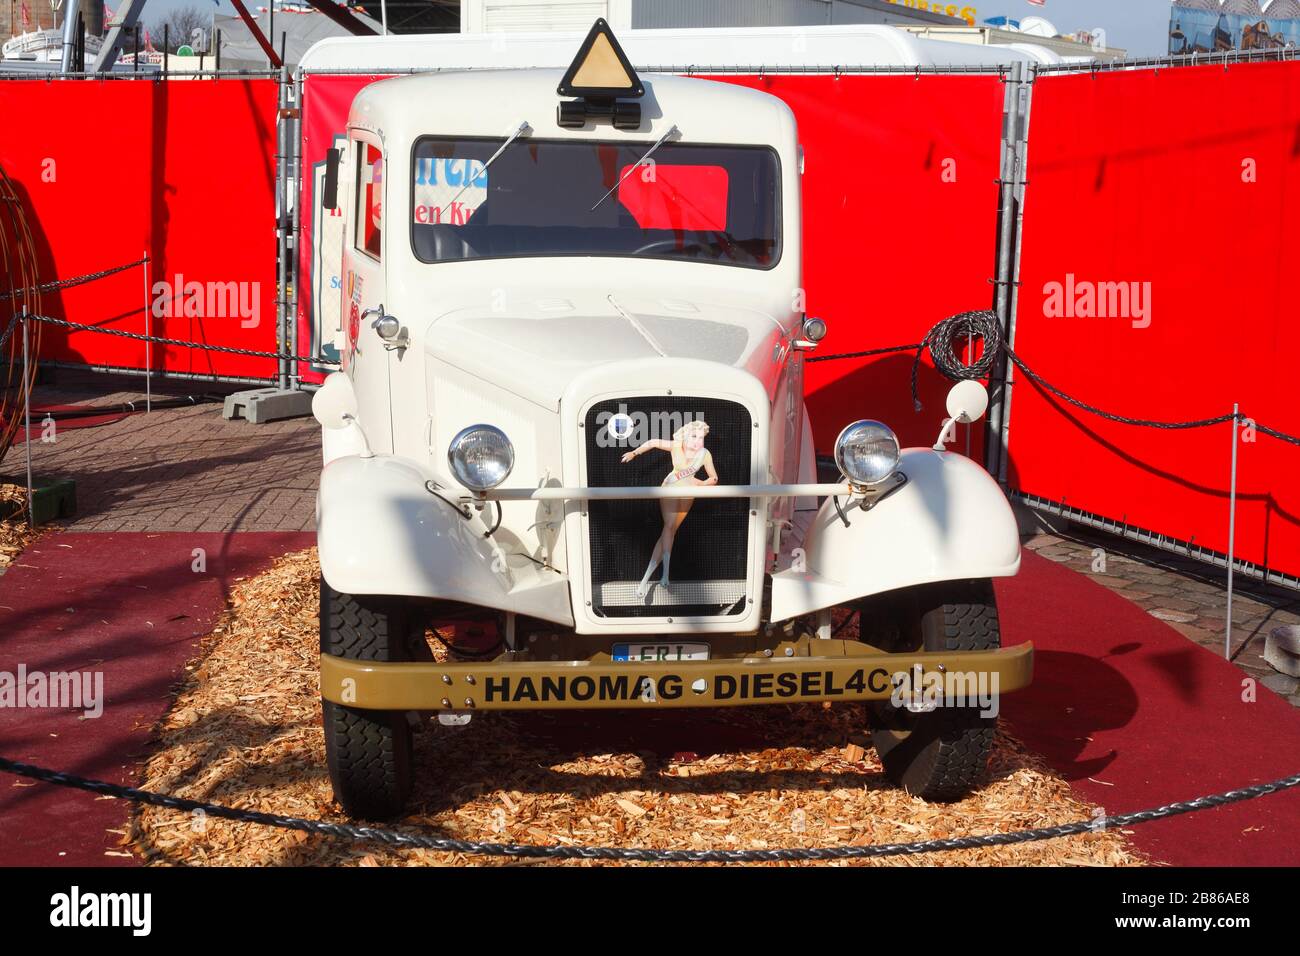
pixel 481 457
pixel 866 452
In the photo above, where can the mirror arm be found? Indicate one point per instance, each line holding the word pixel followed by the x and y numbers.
pixel 946 434
pixel 365 442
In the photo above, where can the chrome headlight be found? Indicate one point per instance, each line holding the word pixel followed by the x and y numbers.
pixel 481 457
pixel 867 452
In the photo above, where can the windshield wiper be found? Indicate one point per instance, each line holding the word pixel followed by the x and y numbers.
pixel 519 130
pixel 659 142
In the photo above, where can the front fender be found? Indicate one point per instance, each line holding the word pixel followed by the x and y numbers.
pixel 380 531
pixel 950 521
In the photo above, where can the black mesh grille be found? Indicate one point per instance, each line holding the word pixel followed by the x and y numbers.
pixel 711 545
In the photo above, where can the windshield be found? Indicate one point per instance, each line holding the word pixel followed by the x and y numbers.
pixel 544 198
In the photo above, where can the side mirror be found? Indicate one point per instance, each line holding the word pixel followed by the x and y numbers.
pixel 335 403
pixel 330 191
pixel 967 401
pixel 812 332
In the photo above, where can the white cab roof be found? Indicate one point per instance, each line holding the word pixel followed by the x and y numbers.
pixel 461 103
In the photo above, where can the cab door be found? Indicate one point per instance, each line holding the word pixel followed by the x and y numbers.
pixel 364 290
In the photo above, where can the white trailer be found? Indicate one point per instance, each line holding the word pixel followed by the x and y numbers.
pixel 728 49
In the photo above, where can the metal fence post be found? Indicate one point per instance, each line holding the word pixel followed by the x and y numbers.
pixel 148 331
pixel 282 217
pixel 1232 531
pixel 1011 190
pixel 291 241
pixel 28 383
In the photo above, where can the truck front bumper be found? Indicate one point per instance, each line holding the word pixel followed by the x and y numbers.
pixel 842 671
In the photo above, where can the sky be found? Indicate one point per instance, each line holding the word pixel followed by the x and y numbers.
pixel 1139 26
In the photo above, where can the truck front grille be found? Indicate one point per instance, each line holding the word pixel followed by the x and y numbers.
pixel 709 558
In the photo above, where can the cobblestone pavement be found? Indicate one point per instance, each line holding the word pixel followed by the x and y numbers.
pixel 182 469
pixel 1189 596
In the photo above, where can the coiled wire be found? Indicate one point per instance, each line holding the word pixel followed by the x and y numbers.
pixel 945 339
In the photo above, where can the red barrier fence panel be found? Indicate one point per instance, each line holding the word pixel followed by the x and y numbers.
pixel 900 214
pixel 1155 283
pixel 897 169
pixel 181 170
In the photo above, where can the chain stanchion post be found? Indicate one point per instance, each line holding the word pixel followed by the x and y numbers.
pixel 148 345
pixel 292 240
pixel 282 217
pixel 28 383
pixel 1232 531
pixel 1019 82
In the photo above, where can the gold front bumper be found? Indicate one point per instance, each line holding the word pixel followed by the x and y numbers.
pixel 842 671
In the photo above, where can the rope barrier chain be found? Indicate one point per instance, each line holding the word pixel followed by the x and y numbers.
pixel 983 324
pixel 61 284
pixel 418 841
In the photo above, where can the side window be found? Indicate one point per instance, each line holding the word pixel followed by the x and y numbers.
pixel 370 198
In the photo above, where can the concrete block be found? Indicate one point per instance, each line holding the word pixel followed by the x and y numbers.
pixel 1282 649
pixel 261 405
pixel 52 498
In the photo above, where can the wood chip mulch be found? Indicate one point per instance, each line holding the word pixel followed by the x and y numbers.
pixel 15 533
pixel 245 731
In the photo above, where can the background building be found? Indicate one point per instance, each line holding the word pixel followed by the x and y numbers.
pixel 23 16
pixel 501 16
pixel 1207 26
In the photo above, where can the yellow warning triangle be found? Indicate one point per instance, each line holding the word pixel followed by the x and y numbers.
pixel 600 69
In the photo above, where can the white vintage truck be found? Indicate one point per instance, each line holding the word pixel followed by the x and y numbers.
pixel 570 422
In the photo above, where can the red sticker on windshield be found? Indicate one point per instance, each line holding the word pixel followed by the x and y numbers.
pixel 663 196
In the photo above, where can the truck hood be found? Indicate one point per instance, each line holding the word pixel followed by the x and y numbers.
pixel 536 346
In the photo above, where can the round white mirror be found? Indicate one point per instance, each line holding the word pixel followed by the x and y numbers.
pixel 334 403
pixel 967 401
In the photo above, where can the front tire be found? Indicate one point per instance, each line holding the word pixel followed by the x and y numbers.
pixel 941 755
pixel 368 751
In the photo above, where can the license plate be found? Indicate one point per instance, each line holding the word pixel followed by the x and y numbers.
pixel 671 651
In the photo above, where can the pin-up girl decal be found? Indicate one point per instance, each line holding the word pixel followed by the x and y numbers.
pixel 689 456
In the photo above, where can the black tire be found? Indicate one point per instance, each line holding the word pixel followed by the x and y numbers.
pixel 368 751
pixel 941 755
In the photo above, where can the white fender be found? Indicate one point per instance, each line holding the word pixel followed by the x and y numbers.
pixel 380 531
pixel 949 521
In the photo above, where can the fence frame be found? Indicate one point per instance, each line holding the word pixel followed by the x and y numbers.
pixel 999 414
pixel 1019 79
pixel 285 222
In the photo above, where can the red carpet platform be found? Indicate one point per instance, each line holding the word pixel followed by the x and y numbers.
pixel 1129 711
pixel 131 606
pixel 1134 715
